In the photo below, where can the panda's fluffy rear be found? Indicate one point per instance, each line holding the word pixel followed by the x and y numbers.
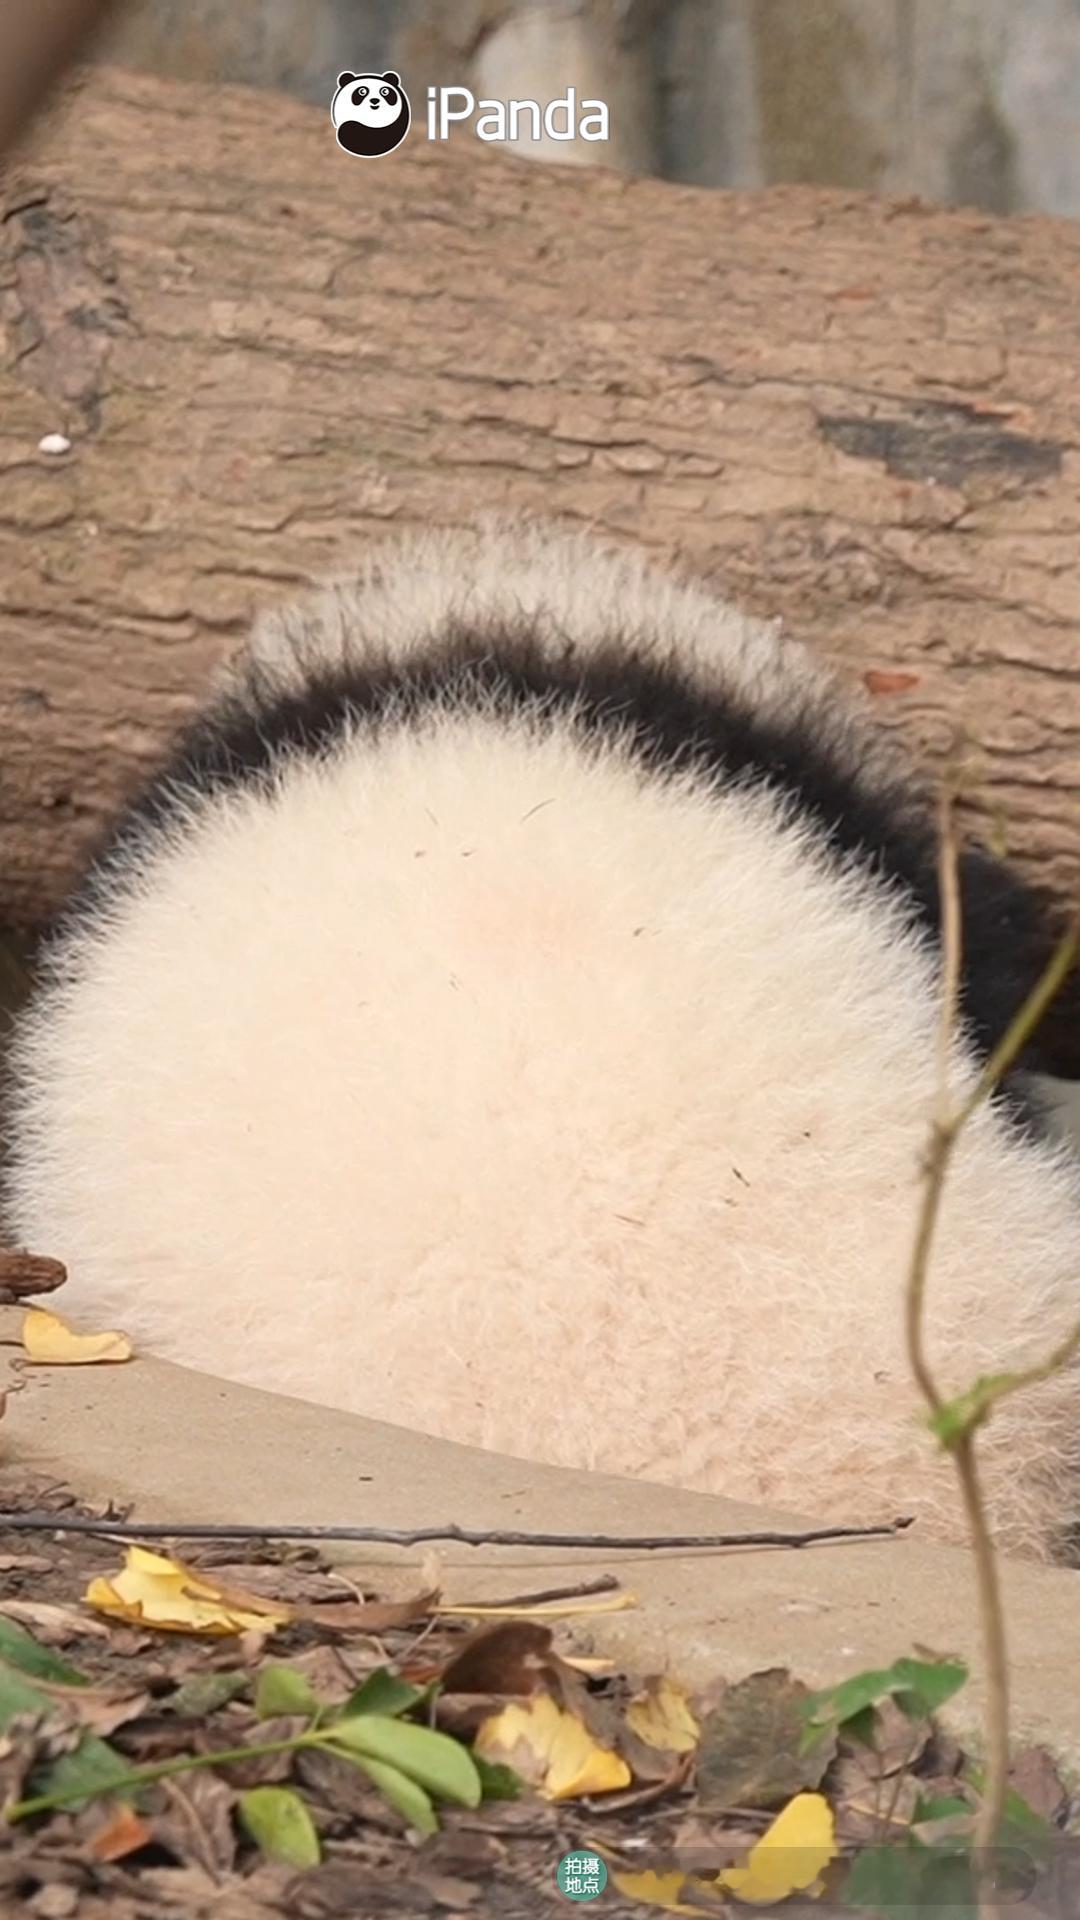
pixel 513 1016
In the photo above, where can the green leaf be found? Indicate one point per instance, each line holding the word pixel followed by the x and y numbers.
pixel 404 1794
pixel 885 1880
pixel 919 1688
pixel 441 1765
pixel 281 1690
pixel 905 1880
pixel 18 1696
pixel 862 1727
pixel 93 1769
pixel 962 1416
pixel 497 1782
pixel 19 1649
pixel 1020 1822
pixel 280 1825
pixel 382 1692
pixel 204 1693
pixel 1022 1819
pixel 942 1806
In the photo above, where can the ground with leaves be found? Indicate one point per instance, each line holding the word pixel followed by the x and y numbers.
pixel 282 1739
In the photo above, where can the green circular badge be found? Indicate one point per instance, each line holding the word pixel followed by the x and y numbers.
pixel 581 1876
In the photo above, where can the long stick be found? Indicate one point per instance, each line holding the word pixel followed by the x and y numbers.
pixel 418 1536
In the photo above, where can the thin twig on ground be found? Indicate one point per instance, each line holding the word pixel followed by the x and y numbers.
pixel 419 1536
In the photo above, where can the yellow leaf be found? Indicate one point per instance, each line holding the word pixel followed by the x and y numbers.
pixel 153 1591
pixel 52 1343
pixel 661 1717
pixel 789 1856
pixel 659 1890
pixel 551 1749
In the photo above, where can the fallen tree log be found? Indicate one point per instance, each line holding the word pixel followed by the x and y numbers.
pixel 860 415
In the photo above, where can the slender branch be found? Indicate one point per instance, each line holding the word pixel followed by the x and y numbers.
pixel 957 1422
pixel 991 1807
pixel 162 1770
pixel 419 1536
pixel 937 1160
pixel 952 947
pixel 1027 1020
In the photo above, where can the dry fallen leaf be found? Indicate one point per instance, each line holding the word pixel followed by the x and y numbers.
pixel 1034 1775
pixel 885 680
pixel 124 1832
pixel 51 1625
pixel 24 1273
pixel 660 1890
pixel 369 1616
pixel 547 1609
pixel 153 1591
pixel 751 1752
pixel 50 1342
pixel 869 1810
pixel 551 1749
pixel 661 1717
pixel 790 1857
pixel 511 1657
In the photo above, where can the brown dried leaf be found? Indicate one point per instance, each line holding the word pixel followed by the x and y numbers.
pixel 197 1824
pixel 679 1766
pixel 749 1754
pixel 23 1274
pixel 510 1658
pixel 701 1845
pixel 123 1832
pixel 886 680
pixel 345 1790
pixel 101 1710
pixel 870 1809
pixel 1034 1776
pixel 369 1616
pixel 53 1626
pixel 264 1769
pixel 898 1743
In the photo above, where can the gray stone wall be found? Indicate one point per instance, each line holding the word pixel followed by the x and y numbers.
pixel 971 101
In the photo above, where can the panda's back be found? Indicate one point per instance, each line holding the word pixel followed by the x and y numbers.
pixel 468 1034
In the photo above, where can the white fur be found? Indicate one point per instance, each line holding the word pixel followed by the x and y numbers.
pixel 472 1079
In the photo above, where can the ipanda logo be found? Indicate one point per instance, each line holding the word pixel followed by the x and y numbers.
pixel 371 115
pixel 560 119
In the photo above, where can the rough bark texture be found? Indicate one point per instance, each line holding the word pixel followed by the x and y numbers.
pixel 36 44
pixel 860 415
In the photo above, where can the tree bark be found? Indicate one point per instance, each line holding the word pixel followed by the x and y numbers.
pixel 36 44
pixel 860 415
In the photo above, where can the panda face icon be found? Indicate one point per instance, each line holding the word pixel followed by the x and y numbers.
pixel 370 112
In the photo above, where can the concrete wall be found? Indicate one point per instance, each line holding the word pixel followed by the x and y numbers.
pixel 976 101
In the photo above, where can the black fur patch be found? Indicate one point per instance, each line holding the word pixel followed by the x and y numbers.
pixel 671 723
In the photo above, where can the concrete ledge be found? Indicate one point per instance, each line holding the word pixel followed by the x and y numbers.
pixel 184 1447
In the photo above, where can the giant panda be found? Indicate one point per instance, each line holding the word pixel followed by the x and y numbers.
pixel 513 1014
